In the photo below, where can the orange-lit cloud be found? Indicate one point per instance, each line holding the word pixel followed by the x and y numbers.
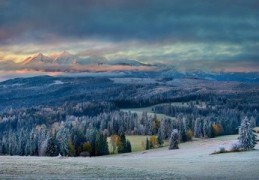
pixel 200 35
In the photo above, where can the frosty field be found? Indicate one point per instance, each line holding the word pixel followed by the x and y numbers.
pixel 191 161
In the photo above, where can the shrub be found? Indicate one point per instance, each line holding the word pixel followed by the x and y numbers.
pixel 235 146
pixel 216 130
pixel 84 154
pixel 189 135
pixel 153 141
pixel 220 149
pixel 87 147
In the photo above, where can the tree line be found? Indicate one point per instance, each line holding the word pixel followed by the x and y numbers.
pixel 82 129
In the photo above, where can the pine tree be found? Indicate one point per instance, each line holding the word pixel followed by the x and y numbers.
pixel 206 128
pixel 62 138
pixel 198 128
pixel 122 145
pixel 149 126
pixel 163 129
pixel 128 146
pixel 159 137
pixel 174 140
pixel 147 144
pixel 52 147
pixel 253 122
pixel 101 146
pixel 71 148
pixel 105 149
pixel 246 137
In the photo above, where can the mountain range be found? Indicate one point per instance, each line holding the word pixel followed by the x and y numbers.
pixel 67 59
pixel 66 62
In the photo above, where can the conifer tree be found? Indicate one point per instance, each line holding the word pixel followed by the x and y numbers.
pixel 246 137
pixel 101 146
pixel 128 146
pixel 147 144
pixel 174 140
pixel 122 147
pixel 159 137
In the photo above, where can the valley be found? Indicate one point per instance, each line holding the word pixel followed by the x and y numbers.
pixel 86 127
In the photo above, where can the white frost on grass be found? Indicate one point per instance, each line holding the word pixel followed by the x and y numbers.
pixel 191 161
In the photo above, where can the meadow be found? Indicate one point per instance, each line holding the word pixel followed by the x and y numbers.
pixel 193 160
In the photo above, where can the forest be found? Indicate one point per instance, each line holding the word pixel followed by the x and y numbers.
pixel 82 129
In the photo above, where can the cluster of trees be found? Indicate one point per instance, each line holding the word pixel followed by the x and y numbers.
pixel 206 121
pixel 44 131
pixel 81 129
pixel 154 142
pixel 246 139
pixel 64 138
pixel 120 144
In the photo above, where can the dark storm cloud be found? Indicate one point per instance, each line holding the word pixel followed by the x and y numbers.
pixel 117 20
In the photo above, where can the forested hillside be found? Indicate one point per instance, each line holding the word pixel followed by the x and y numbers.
pixel 81 124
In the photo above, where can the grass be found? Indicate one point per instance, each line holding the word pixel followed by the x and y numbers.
pixel 191 161
pixel 138 143
pixel 149 110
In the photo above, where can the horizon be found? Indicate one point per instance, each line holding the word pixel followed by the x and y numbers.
pixel 198 35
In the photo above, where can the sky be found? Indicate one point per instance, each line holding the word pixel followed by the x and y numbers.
pixel 221 35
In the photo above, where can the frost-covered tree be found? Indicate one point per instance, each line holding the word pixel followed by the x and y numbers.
pixel 253 122
pixel 149 126
pixel 163 129
pixel 174 140
pixel 62 137
pixel 246 137
pixel 207 128
pixel 33 142
pixel 160 138
pixel 198 128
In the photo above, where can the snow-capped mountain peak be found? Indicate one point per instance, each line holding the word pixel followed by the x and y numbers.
pixel 64 54
pixel 37 59
pixel 65 58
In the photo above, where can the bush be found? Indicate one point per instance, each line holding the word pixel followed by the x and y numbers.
pixel 153 142
pixel 235 146
pixel 189 135
pixel 216 130
pixel 220 149
pixel 84 154
pixel 87 147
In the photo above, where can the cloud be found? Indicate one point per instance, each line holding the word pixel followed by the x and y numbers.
pixel 168 20
pixel 147 30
